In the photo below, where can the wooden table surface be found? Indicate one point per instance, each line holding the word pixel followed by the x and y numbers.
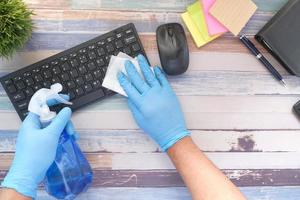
pixel 237 113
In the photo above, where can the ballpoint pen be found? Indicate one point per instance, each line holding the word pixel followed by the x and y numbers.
pixel 261 58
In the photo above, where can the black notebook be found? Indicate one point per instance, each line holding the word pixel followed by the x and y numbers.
pixel 281 36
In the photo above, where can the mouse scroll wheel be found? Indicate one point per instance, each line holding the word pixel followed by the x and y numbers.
pixel 170 31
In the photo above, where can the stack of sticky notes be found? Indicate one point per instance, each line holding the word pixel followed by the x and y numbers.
pixel 208 19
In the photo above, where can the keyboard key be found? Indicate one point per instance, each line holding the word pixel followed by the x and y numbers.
pixel 127 50
pixel 18 96
pixel 20 85
pixel 119 35
pixel 37 87
pixel 79 81
pixel 65 67
pixel 92 55
pixel 88 77
pixel 96 84
pixel 88 87
pixel 100 62
pixel 73 55
pixel 108 92
pixel 74 63
pixel 17 78
pixel 92 96
pixel 56 70
pixel 37 70
pixel 136 47
pixel 91 47
pixel 47 74
pixel 71 84
pixel 65 77
pixel 79 91
pixel 129 31
pixel 74 73
pixel 97 73
pixel 55 79
pixel 91 66
pixel 71 95
pixel 11 89
pixel 130 39
pixel 38 77
pixel 64 90
pixel 45 67
pixel 29 91
pixel 27 74
pixel 82 70
pixel 107 58
pixel 64 58
pixel 119 44
pixel 8 82
pixel 101 51
pixel 110 48
pixel 83 59
pixel 29 81
pixel 109 39
pixel 24 114
pixel 22 105
pixel 54 62
pixel 104 70
pixel 46 84
pixel 83 50
pixel 101 43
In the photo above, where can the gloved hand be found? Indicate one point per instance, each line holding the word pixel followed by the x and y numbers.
pixel 35 151
pixel 153 104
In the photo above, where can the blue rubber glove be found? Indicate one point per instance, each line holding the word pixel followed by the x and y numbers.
pixel 35 151
pixel 153 103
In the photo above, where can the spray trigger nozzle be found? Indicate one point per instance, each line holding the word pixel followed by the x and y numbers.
pixel 57 88
pixel 38 103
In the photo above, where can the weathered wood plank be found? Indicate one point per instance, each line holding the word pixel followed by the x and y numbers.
pixel 99 21
pixel 178 193
pixel 103 21
pixel 155 161
pixel 156 5
pixel 129 141
pixel 201 112
pixel 54 4
pixel 243 160
pixel 171 178
pixel 61 41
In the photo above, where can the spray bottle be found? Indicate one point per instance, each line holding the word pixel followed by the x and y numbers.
pixel 70 173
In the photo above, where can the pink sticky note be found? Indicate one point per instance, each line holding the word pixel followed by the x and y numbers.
pixel 213 25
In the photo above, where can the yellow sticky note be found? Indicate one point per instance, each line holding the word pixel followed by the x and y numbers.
pixel 195 21
pixel 196 35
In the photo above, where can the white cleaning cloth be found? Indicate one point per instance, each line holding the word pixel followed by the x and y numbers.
pixel 116 64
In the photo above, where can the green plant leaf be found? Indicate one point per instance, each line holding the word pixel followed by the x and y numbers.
pixel 15 26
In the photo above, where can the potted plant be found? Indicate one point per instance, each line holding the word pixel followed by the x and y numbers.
pixel 15 26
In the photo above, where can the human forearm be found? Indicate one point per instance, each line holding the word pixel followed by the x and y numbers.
pixel 10 194
pixel 204 180
pixel 157 111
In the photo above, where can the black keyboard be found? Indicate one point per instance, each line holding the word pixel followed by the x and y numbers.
pixel 80 70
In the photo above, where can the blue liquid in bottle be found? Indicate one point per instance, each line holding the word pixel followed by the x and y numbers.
pixel 70 173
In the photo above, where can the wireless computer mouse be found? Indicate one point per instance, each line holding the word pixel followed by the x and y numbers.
pixel 173 48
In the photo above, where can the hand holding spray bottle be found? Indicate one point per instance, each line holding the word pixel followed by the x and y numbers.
pixel 70 173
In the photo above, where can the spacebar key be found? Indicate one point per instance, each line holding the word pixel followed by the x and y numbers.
pixel 86 99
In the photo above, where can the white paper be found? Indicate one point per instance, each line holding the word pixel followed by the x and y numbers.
pixel 116 64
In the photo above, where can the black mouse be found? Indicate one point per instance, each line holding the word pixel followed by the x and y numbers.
pixel 173 49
